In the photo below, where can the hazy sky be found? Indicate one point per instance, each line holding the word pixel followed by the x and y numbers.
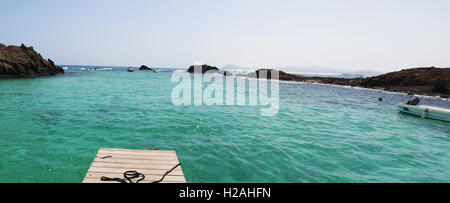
pixel 379 35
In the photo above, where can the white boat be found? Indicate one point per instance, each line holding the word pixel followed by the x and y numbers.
pixel 423 111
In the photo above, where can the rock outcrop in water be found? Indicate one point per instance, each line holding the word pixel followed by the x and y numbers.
pixel 146 68
pixel 25 62
pixel 427 81
pixel 204 68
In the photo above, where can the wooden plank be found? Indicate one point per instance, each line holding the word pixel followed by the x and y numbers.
pixel 137 157
pixel 149 178
pixel 132 161
pixel 134 166
pixel 139 153
pixel 176 172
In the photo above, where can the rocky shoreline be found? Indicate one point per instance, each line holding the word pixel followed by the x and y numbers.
pixel 22 62
pixel 430 81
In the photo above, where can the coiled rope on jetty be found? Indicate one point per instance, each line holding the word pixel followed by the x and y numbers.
pixel 129 176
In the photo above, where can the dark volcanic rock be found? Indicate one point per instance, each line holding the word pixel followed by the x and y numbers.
pixel 204 68
pixel 146 68
pixel 410 77
pixel 25 62
pixel 440 87
pixel 429 81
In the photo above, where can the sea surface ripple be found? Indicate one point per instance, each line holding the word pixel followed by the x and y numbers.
pixel 51 129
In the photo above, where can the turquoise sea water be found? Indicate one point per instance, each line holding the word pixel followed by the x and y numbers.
pixel 51 129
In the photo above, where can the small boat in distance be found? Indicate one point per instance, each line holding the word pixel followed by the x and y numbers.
pixel 424 111
pixel 130 69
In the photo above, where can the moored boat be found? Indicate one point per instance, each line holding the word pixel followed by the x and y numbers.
pixel 424 111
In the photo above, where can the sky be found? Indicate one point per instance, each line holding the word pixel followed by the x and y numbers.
pixel 345 35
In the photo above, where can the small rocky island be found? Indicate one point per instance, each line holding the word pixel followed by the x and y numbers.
pixel 204 68
pixel 16 62
pixel 146 68
pixel 425 81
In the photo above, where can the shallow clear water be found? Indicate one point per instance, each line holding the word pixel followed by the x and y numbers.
pixel 51 129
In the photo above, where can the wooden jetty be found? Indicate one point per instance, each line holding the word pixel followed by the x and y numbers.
pixel 112 163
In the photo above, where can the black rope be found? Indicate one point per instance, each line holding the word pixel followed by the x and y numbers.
pixel 127 177
pixel 167 173
pixel 130 175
